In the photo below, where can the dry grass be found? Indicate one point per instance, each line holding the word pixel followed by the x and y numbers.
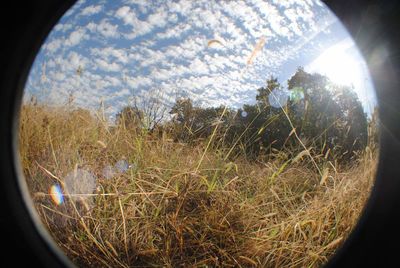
pixel 171 211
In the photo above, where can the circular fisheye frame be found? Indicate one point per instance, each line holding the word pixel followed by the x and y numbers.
pixel 158 85
pixel 207 133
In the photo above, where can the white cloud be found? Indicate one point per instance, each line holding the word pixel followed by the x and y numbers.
pixel 242 12
pixel 76 37
pixel 59 76
pixel 53 45
pixel 164 45
pixel 148 57
pixel 143 6
pixel 139 81
pixel 183 7
pixel 115 82
pixel 124 92
pixel 188 49
pixel 104 28
pixel 51 63
pixel 173 71
pixel 63 27
pixel 111 53
pixel 271 14
pixel 91 26
pixel 107 66
pixel 197 67
pixel 123 13
pixel 173 18
pixel 158 19
pixel 91 10
pixel 162 74
pixel 71 12
pixel 292 3
pixel 174 32
pixel 204 19
pixel 76 60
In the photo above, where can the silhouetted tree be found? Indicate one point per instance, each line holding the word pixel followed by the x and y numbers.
pixel 263 92
pixel 325 116
pixel 331 117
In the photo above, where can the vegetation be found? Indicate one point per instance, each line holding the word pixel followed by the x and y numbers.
pixel 260 186
pixel 326 117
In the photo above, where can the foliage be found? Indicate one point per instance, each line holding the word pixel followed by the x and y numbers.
pixel 325 117
pixel 130 117
pixel 143 113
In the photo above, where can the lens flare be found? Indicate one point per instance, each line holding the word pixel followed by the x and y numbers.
pixel 80 184
pixel 296 94
pixel 122 166
pixel 56 194
pixel 108 172
pixel 278 98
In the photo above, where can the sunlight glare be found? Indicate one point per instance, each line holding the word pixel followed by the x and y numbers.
pixel 339 66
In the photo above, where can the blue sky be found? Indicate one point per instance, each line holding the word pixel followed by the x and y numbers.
pixel 161 49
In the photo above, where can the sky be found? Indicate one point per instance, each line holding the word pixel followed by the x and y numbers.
pixel 214 52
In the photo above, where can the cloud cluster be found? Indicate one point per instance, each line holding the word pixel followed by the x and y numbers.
pixel 116 50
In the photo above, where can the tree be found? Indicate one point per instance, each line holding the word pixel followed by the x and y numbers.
pixel 326 117
pixel 330 116
pixel 146 113
pixel 192 122
pixel 355 123
pixel 263 92
pixel 183 114
pixel 130 117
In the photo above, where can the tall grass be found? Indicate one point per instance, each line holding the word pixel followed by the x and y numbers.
pixel 186 206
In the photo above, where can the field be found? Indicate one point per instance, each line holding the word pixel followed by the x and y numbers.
pixel 181 205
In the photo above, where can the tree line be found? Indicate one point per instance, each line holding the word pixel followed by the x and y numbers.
pixel 316 113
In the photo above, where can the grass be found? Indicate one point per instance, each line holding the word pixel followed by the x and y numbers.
pixel 186 206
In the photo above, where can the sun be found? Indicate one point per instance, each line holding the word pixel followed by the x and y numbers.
pixel 339 65
pixel 343 64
